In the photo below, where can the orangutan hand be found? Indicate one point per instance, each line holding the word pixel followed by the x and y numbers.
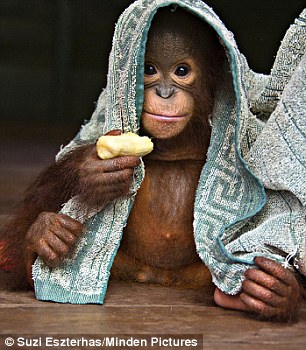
pixel 271 292
pixel 50 237
pixel 102 181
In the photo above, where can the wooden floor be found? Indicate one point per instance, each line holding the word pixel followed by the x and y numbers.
pixel 130 309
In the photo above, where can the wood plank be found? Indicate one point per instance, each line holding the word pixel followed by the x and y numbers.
pixel 133 308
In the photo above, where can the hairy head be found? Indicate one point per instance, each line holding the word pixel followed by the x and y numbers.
pixel 180 71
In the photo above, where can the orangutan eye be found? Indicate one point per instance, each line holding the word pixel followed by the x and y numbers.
pixel 182 71
pixel 149 69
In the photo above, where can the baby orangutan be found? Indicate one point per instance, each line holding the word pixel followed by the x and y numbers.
pixel 158 242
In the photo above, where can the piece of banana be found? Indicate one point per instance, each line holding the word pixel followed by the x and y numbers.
pixel 129 144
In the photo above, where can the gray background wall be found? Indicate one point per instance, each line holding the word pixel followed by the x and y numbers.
pixel 54 53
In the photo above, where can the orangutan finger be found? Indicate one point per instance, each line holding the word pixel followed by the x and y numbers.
pixel 262 294
pixel 66 236
pixel 58 246
pixel 73 226
pixel 277 270
pixel 267 281
pixel 120 176
pixel 48 255
pixel 120 163
pixel 258 306
pixel 115 132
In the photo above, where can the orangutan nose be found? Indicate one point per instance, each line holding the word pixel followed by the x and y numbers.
pixel 165 91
